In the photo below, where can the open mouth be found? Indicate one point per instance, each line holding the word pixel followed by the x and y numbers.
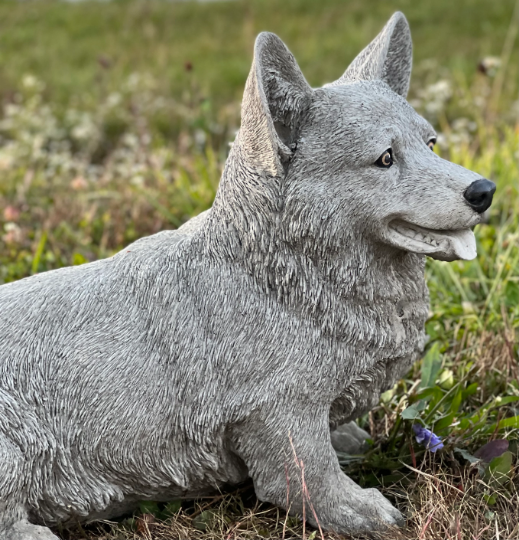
pixel 444 245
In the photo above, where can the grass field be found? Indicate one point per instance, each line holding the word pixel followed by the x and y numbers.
pixel 115 124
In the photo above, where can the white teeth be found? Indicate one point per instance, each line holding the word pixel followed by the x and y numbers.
pixel 417 235
pixel 446 245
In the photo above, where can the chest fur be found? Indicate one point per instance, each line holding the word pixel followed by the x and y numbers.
pixel 401 341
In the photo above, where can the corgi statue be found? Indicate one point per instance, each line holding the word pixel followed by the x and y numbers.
pixel 200 357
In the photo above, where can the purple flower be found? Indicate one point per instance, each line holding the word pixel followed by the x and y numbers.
pixel 427 438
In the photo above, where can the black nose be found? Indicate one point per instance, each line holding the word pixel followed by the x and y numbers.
pixel 479 194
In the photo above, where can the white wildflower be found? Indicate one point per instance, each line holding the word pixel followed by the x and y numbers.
pixel 113 100
pixel 489 65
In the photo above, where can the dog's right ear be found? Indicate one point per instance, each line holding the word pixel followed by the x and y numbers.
pixel 276 96
pixel 389 57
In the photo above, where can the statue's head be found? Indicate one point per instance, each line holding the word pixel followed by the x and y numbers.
pixel 353 158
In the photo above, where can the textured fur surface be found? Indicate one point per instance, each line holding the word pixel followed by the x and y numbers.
pixel 192 358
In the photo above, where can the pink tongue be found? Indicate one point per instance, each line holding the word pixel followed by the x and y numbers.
pixel 457 245
pixel 465 244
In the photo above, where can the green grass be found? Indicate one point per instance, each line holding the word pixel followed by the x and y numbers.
pixel 106 135
pixel 64 43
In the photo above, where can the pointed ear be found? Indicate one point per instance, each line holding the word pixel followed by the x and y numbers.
pixel 388 57
pixel 275 99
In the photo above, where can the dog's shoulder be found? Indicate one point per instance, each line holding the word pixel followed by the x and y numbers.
pixel 167 241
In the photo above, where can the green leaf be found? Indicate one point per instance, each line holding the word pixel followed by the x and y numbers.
pixel 172 508
pixel 386 396
pixel 512 422
pixel 431 365
pixel 456 401
pixel 464 423
pixel 382 461
pixel 498 471
pixel 490 515
pixel 78 259
pixel 466 455
pixel 149 507
pixel 129 524
pixel 433 393
pixel 470 390
pixel 489 499
pixel 410 413
pixel 444 422
pixel 506 400
pixel 511 294
pixel 420 405
pixel 203 520
pixel 293 521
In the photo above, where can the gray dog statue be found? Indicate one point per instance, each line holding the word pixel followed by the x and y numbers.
pixel 197 358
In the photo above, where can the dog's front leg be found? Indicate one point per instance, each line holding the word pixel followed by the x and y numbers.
pixel 293 465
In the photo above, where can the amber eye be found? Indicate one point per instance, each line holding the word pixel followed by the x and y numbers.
pixel 431 143
pixel 385 160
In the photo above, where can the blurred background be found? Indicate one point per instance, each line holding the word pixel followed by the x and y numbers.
pixel 115 123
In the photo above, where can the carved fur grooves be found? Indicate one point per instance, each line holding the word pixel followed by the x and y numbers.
pixel 188 360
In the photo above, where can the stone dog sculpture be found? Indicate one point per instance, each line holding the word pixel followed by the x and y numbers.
pixel 198 357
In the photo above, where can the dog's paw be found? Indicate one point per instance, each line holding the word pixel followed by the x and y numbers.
pixel 363 511
pixel 23 530
pixel 381 508
pixel 373 512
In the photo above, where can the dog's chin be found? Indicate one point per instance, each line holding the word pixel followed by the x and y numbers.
pixel 443 245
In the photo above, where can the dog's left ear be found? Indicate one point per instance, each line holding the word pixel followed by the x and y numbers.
pixel 388 57
pixel 275 99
